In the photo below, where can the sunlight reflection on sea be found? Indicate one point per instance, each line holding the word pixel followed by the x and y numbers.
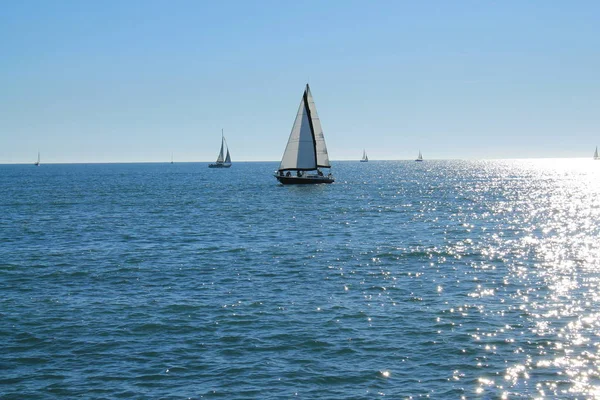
pixel 440 279
pixel 547 233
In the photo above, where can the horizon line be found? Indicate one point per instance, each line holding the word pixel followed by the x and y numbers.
pixel 274 161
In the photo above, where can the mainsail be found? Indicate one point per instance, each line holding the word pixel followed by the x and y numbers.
pixel 306 149
pixel 596 154
pixel 220 158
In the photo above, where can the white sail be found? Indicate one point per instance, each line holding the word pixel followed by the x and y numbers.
pixel 220 158
pixel 320 147
pixel 300 150
pixel 222 162
pixel 365 157
pixel 306 149
pixel 596 154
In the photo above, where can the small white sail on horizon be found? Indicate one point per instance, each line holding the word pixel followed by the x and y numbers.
pixel 222 162
pixel 419 157
pixel 596 154
pixel 364 158
pixel 37 163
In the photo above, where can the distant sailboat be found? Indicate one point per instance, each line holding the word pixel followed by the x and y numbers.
pixel 420 157
pixel 222 162
pixel 306 151
pixel 364 157
pixel 171 158
pixel 596 154
pixel 37 163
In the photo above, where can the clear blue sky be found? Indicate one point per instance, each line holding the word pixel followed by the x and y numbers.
pixel 112 81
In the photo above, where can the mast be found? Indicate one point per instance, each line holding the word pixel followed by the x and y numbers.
pixel 310 122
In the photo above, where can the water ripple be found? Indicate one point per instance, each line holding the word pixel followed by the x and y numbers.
pixel 439 279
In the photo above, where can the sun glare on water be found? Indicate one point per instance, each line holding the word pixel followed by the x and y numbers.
pixel 547 218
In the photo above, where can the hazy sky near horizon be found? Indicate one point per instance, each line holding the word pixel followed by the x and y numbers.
pixel 118 81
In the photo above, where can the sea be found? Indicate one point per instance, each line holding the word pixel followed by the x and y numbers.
pixel 441 280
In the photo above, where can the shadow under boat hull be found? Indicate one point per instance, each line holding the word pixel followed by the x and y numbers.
pixel 304 180
pixel 219 165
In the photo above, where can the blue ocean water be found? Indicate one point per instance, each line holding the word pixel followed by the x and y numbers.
pixel 441 279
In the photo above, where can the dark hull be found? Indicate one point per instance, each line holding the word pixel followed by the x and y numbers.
pixel 219 165
pixel 304 180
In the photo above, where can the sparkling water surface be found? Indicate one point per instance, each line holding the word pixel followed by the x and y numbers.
pixel 441 279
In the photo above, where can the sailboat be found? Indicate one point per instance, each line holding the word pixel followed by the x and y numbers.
pixel 222 162
pixel 596 154
pixel 37 163
pixel 306 152
pixel 364 157
pixel 419 157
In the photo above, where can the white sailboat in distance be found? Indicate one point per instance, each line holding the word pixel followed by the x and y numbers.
pixel 222 162
pixel 419 157
pixel 306 152
pixel 364 157
pixel 37 163
pixel 596 154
